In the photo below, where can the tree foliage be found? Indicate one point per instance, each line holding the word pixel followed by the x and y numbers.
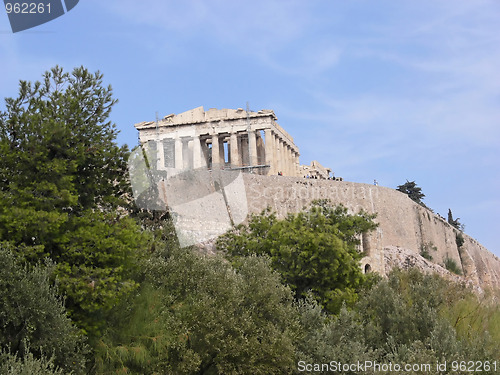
pixel 33 320
pixel 58 145
pixel 413 191
pixel 408 318
pixel 315 250
pixel 455 222
pixel 63 189
pixel 198 314
pixel 13 364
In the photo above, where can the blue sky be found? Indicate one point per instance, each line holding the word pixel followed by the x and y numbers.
pixel 386 90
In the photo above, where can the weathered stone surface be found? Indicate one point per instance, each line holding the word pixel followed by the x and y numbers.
pixel 403 223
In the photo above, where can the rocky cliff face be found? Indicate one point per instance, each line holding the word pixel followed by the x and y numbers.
pixel 405 228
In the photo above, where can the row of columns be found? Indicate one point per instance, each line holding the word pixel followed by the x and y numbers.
pixel 279 155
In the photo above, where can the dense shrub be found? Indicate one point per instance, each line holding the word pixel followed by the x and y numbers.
pixel 451 265
pixel 315 250
pixel 12 364
pixel 409 318
pixel 31 313
pixel 198 314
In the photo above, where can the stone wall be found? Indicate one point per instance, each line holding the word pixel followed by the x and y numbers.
pixel 402 223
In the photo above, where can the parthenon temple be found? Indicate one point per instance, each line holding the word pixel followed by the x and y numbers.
pixel 222 139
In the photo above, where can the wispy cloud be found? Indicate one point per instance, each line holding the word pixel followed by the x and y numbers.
pixel 262 30
pixel 449 88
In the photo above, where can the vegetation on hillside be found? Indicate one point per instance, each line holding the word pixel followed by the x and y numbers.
pixel 32 315
pixel 413 191
pixel 63 185
pixel 314 251
pixel 90 284
pixel 455 222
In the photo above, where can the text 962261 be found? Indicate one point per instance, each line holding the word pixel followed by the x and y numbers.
pixel 27 8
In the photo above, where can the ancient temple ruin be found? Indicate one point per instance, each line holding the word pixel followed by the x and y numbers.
pixel 221 139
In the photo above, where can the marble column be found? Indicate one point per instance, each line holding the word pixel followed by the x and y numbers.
pixel 168 153
pixel 216 162
pixel 198 157
pixel 179 162
pixel 222 152
pixel 283 157
pixel 269 145
pixel 288 150
pixel 277 149
pixel 235 152
pixel 243 151
pixel 297 164
pixel 160 155
pixel 252 148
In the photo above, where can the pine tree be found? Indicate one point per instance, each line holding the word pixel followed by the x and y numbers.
pixel 414 192
pixel 455 222
pixel 63 189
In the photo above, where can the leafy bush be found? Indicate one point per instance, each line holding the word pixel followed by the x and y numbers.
pixel 29 365
pixel 451 265
pixel 460 240
pixel 475 317
pixel 315 250
pixel 32 313
pixel 425 250
pixel 405 319
pixel 198 314
pixel 325 338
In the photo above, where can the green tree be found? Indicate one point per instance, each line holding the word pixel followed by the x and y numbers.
pixel 315 250
pixel 64 189
pixel 455 222
pixel 33 320
pixel 58 144
pixel 408 318
pixel 199 315
pixel 413 191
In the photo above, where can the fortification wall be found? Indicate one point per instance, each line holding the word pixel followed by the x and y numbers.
pixel 402 223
